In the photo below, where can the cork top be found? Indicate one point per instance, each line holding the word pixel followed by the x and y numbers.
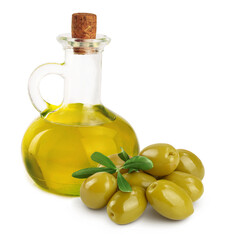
pixel 84 25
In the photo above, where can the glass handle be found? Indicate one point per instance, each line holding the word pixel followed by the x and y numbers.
pixel 34 83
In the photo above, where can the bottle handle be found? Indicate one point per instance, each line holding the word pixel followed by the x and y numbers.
pixel 34 83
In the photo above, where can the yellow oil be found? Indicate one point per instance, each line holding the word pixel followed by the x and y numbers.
pixel 61 142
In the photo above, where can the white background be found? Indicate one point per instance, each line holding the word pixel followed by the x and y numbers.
pixel 164 72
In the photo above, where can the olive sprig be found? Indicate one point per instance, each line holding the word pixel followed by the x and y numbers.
pixel 135 163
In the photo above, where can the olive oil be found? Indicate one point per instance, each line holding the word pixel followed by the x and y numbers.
pixel 61 142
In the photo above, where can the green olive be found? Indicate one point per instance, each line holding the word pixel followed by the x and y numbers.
pixel 126 207
pixel 139 179
pixel 190 163
pixel 97 189
pixel 169 200
pixel 165 158
pixel 190 183
pixel 118 163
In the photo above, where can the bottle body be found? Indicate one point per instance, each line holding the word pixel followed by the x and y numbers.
pixel 62 140
pixel 60 143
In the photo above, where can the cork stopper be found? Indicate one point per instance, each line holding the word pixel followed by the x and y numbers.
pixel 84 25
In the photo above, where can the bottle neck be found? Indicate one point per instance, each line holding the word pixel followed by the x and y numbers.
pixel 82 78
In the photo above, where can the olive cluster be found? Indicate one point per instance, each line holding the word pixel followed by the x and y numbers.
pixel 170 186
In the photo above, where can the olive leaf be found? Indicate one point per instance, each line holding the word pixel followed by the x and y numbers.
pixel 102 159
pixel 123 185
pixel 132 164
pixel 139 163
pixel 123 155
pixel 87 172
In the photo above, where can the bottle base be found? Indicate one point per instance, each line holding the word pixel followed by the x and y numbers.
pixel 58 188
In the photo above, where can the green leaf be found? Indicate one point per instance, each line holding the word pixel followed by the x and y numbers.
pixel 123 155
pixel 138 162
pixel 87 172
pixel 102 159
pixel 123 185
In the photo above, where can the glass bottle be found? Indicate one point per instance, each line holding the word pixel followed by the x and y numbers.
pixel 62 139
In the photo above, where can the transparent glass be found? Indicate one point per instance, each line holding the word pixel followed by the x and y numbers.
pixel 63 138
